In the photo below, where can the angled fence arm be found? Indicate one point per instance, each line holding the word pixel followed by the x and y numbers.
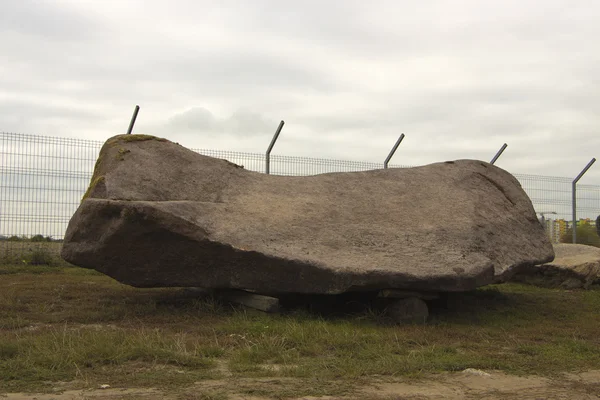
pixel 499 153
pixel 574 200
pixel 133 118
pixel 268 153
pixel 389 157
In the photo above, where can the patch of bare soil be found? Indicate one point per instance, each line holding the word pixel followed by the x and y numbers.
pixel 100 394
pixel 496 385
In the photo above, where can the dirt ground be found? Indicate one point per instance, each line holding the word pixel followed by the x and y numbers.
pixel 464 385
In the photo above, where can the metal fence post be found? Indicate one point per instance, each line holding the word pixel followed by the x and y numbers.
pixel 133 118
pixel 574 202
pixel 499 153
pixel 389 157
pixel 268 154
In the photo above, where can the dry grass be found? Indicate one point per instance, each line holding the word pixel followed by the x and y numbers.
pixel 74 325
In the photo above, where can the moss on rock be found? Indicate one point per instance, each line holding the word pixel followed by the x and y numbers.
pixel 95 182
pixel 121 154
pixel 134 138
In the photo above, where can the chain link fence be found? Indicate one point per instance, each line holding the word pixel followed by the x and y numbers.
pixel 42 181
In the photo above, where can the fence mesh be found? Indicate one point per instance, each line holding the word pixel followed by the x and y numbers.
pixel 42 181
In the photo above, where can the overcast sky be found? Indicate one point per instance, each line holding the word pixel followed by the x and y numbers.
pixel 459 78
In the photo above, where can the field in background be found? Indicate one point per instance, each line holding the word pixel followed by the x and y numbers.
pixel 26 252
pixel 71 328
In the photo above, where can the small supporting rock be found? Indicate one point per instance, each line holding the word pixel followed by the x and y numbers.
pixel 408 310
pixel 256 301
pixel 403 294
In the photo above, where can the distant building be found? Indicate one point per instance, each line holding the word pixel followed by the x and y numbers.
pixel 554 230
pixel 563 226
pixel 557 228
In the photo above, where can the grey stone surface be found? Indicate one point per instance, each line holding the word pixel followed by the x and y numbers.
pixel 409 310
pixel 574 266
pixel 158 214
pixel 258 302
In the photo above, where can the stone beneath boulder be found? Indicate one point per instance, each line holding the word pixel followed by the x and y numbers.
pixel 409 310
pixel 158 215
pixel 251 300
pixel 575 266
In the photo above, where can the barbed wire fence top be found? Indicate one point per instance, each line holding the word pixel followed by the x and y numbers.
pixel 42 181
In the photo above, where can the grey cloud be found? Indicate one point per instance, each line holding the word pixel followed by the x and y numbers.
pixel 200 120
pixel 175 72
pixel 194 119
pixel 21 116
pixel 229 73
pixel 338 23
pixel 47 20
pixel 45 111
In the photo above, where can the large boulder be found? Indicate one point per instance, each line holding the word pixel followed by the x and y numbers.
pixel 157 214
pixel 575 266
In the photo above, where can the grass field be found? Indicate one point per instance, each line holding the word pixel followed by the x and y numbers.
pixel 66 327
pixel 31 253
